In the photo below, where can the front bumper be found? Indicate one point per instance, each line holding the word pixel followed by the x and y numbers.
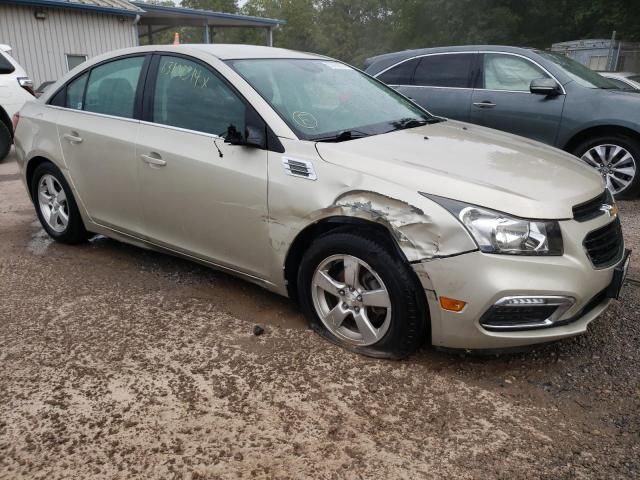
pixel 481 280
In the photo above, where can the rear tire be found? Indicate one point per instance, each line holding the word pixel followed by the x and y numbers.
pixel 384 312
pixel 5 141
pixel 55 206
pixel 616 157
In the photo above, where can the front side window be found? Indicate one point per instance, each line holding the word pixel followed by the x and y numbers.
pixel 401 74
pixel 188 95
pixel 449 70
pixel 112 87
pixel 322 98
pixel 75 92
pixel 509 72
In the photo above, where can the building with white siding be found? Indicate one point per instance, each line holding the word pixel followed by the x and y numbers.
pixel 50 37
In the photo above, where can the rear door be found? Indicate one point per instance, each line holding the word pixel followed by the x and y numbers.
pixel 98 130
pixel 440 82
pixel 502 99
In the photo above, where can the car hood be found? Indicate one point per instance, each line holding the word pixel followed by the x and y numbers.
pixel 476 165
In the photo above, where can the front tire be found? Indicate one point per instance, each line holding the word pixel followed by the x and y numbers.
pixel 616 157
pixel 358 293
pixel 56 208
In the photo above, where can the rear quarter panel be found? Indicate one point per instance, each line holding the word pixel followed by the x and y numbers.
pixel 37 136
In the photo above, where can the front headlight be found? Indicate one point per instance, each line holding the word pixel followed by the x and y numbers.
pixel 497 232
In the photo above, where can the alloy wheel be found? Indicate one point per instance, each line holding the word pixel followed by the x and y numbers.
pixel 351 300
pixel 615 163
pixel 53 203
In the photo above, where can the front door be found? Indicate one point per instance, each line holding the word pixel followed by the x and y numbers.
pixel 97 132
pixel 201 196
pixel 503 100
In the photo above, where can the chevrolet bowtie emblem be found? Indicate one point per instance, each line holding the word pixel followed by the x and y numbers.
pixel 611 210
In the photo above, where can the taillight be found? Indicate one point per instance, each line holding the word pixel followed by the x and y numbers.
pixel 15 119
pixel 27 84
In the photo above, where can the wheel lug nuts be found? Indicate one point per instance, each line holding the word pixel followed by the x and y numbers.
pixel 345 306
pixel 359 298
pixel 357 309
pixel 351 289
pixel 342 293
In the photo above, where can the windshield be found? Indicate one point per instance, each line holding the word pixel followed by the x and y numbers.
pixel 320 99
pixel 578 72
pixel 635 78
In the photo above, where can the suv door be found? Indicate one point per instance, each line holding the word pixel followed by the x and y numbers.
pixel 502 99
pixel 200 195
pixel 97 127
pixel 439 82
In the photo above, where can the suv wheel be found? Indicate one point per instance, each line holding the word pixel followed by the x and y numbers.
pixel 361 296
pixel 5 141
pixel 56 208
pixel 616 157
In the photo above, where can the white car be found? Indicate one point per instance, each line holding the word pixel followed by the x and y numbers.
pixel 624 80
pixel 390 226
pixel 15 89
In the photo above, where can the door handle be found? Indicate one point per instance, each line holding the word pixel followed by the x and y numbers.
pixel 485 104
pixel 152 160
pixel 72 137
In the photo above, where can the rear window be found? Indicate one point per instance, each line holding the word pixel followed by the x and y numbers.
pixel 6 66
pixel 401 74
pixel 448 70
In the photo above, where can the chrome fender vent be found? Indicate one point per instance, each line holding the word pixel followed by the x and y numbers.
pixel 299 168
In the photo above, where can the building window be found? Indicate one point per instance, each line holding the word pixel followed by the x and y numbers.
pixel 73 60
pixel 598 62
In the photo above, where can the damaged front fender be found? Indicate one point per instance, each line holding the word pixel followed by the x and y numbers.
pixel 421 233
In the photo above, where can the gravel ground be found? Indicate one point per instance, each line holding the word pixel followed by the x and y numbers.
pixel 121 363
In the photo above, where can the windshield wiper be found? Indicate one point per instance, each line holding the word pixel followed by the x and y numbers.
pixel 342 136
pixel 414 122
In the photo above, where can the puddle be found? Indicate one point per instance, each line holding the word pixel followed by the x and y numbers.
pixel 40 240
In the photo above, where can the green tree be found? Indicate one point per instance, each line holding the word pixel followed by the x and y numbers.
pixel 226 6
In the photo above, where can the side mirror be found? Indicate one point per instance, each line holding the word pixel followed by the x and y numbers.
pixel 254 135
pixel 545 86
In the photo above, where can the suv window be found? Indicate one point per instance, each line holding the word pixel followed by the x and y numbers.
pixel 401 74
pixel 509 72
pixel 448 70
pixel 189 95
pixel 5 65
pixel 112 87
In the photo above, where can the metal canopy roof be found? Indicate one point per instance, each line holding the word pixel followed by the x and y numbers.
pixel 114 7
pixel 179 16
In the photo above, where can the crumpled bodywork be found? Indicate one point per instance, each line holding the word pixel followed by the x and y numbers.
pixel 420 235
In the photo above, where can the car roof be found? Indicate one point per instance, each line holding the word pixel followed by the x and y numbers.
pixel 378 63
pixel 236 52
pixel 221 51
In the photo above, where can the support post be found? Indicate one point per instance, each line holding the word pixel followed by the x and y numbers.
pixel 149 35
pixel 269 36
pixel 206 33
